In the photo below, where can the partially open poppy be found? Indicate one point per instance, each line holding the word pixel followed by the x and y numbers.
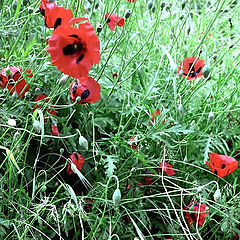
pixel 87 89
pixel 167 168
pixel 12 79
pixel 113 20
pixel 192 68
pixel 78 160
pixel 54 129
pixel 50 109
pixel 55 15
pixel 222 165
pixel 74 50
pixel 199 214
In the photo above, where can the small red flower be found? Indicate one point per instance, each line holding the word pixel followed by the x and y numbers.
pixel 54 129
pixel 236 237
pixel 86 88
pixel 222 165
pixel 74 50
pixel 200 212
pixel 55 15
pixel 167 168
pixel 192 68
pixel 113 20
pixel 114 75
pixel 9 76
pixel 50 109
pixel 147 179
pixel 78 160
pixel 131 0
pixel 132 143
pixel 155 114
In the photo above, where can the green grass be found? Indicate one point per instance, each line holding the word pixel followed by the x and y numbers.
pixel 40 201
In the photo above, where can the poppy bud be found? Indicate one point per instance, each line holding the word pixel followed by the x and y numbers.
pixel 27 95
pixel 116 196
pixel 211 116
pixel 61 150
pixel 11 122
pixel 217 195
pixel 43 188
pixel 83 142
pixel 99 27
pixel 37 126
pixel 128 14
pixel 14 5
pixel 180 73
pixel 63 79
pixel 30 10
pixel 150 4
pixel 37 91
pixel 14 96
pixel 180 108
pixel 183 4
pixel 153 9
pixel 214 57
pixel 163 5
pixel 206 71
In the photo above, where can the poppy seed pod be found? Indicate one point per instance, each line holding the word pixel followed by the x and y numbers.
pixel 150 4
pixel 127 14
pixel 99 27
pixel 217 195
pixel 206 71
pixel 116 196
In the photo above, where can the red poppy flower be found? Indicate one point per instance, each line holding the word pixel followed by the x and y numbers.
pixel 74 50
pixel 86 88
pixel 50 109
pixel 9 76
pixel 192 68
pixel 78 160
pixel 236 237
pixel 131 0
pixel 222 165
pixel 54 129
pixel 200 212
pixel 167 168
pixel 113 20
pixel 132 143
pixel 56 15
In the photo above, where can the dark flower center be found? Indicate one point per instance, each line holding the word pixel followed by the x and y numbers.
pixel 75 48
pixel 75 155
pixel 42 11
pixel 57 22
pixel 85 94
pixel 74 89
pixel 193 73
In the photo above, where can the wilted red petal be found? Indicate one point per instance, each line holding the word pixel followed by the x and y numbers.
pixel 167 168
pixel 113 20
pixel 78 160
pixel 222 165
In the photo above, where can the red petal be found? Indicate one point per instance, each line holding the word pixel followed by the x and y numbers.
pixel 78 160
pixel 54 130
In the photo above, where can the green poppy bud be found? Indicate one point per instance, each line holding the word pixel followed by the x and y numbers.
pixel 206 71
pixel 116 196
pixel 128 14
pixel 27 95
pixel 11 122
pixel 37 126
pixel 30 10
pixel 214 57
pixel 61 150
pixel 150 4
pixel 181 108
pixel 43 188
pixel 211 116
pixel 153 9
pixel 99 27
pixel 37 91
pixel 14 96
pixel 78 99
pixel 162 5
pixel 83 142
pixel 63 79
pixel 180 73
pixel 217 195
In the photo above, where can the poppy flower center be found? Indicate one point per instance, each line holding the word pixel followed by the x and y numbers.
pixel 193 73
pixel 77 47
pixel 85 94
